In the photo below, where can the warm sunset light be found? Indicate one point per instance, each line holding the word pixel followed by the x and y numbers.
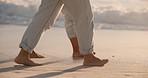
pixel 73 38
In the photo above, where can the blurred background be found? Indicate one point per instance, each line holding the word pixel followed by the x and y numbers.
pixel 108 14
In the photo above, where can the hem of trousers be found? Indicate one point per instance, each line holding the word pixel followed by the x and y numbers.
pixel 25 47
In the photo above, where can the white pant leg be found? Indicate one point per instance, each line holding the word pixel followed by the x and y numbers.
pixel 69 23
pixel 44 19
pixel 82 14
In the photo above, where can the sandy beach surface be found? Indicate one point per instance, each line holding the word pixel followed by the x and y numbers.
pixel 127 52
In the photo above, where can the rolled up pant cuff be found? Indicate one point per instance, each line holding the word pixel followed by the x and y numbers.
pixel 86 51
pixel 25 47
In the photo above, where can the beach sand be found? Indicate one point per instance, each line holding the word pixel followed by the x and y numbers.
pixel 127 52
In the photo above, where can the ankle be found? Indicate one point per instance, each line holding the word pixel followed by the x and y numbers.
pixel 88 56
pixel 76 52
pixel 23 54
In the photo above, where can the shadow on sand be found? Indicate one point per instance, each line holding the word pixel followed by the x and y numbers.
pixel 21 67
pixel 52 74
pixel 43 75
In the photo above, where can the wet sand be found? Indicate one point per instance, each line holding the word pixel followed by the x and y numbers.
pixel 126 50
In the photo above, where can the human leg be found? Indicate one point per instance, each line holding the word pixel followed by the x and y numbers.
pixel 44 19
pixel 83 25
pixel 82 14
pixel 69 24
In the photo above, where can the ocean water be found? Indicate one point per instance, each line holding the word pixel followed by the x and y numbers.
pixel 108 14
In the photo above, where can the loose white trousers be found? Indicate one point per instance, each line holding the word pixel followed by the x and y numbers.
pixel 78 21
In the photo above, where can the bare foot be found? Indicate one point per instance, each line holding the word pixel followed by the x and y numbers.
pixel 23 58
pixel 91 60
pixel 35 55
pixel 26 62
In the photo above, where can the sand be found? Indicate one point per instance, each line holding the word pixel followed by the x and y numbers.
pixel 126 50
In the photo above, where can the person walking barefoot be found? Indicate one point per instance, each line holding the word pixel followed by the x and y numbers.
pixel 81 15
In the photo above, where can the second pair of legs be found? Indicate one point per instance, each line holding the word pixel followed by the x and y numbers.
pixel 24 57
